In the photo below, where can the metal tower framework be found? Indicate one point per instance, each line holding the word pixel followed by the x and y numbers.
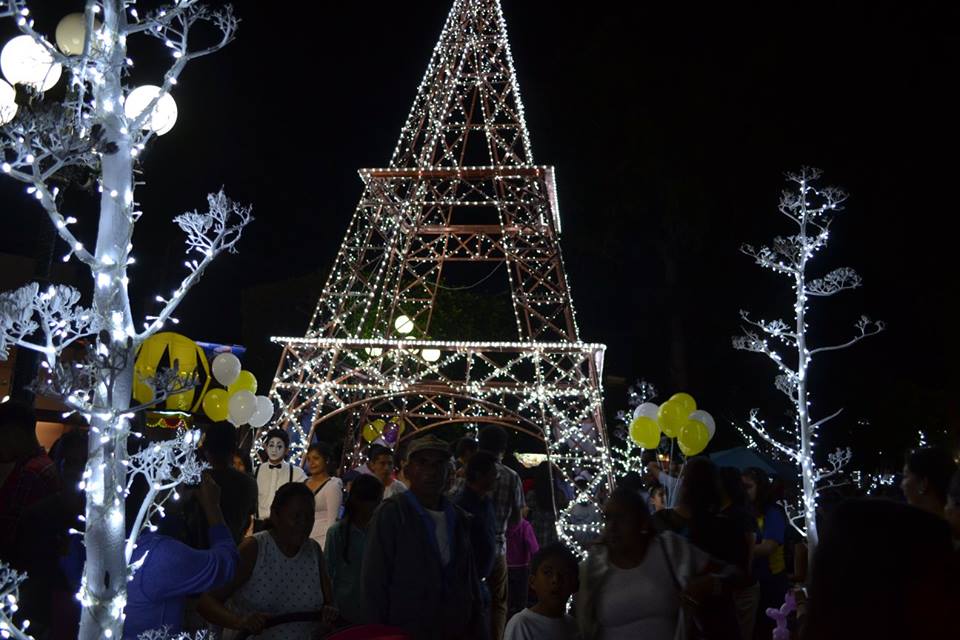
pixel 461 187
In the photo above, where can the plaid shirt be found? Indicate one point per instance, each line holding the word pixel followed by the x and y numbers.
pixel 507 497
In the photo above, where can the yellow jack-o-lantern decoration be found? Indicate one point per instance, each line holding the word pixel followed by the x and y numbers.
pixel 160 351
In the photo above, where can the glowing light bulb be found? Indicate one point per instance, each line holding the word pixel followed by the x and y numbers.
pixel 24 61
pixel 164 114
pixel 403 324
pixel 71 33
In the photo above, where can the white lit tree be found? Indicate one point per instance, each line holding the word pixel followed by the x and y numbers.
pixel 99 131
pixel 811 209
pixel 625 454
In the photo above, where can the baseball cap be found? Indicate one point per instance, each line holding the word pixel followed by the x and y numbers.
pixel 427 443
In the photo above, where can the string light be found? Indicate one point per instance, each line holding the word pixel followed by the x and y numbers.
pixel 417 214
pixel 810 208
pixel 97 387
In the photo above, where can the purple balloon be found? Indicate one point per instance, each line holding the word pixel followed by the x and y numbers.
pixel 779 616
pixel 390 433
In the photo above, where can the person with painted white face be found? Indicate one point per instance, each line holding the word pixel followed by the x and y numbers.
pixel 275 472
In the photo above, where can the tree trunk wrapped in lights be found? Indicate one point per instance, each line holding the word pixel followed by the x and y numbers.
pixel 811 209
pixel 91 133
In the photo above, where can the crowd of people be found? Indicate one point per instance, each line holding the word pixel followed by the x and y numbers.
pixel 439 542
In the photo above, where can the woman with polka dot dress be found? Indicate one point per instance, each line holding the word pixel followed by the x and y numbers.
pixel 281 571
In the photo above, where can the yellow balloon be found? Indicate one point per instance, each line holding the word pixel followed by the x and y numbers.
pixel 370 432
pixel 693 438
pixel 645 432
pixel 215 405
pixel 671 417
pixel 685 400
pixel 246 381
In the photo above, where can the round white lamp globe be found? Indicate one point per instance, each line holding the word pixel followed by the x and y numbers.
pixel 8 103
pixel 403 324
pixel 23 61
pixel 430 355
pixel 71 32
pixel 164 114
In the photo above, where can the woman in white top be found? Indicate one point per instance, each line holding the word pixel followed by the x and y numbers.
pixel 327 491
pixel 632 582
pixel 281 571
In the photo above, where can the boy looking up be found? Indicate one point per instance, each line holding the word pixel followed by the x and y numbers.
pixel 554 578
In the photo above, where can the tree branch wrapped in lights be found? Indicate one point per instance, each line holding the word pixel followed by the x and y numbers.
pixel 10 581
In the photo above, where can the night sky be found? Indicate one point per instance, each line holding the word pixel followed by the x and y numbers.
pixel 670 128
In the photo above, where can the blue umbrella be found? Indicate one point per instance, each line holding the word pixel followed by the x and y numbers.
pixel 744 458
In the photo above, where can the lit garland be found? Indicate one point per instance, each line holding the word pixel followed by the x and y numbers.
pixel 169 420
pixel 352 362
pixel 472 381
pixel 90 131
pixel 811 209
pixel 872 482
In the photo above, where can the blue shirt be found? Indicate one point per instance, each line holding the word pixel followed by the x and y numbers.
pixel 483 531
pixel 171 572
pixel 346 573
pixel 773 527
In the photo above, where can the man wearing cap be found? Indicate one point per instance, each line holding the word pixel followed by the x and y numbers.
pixel 419 572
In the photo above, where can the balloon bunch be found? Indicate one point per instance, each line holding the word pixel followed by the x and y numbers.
pixel 387 432
pixel 238 403
pixel 677 418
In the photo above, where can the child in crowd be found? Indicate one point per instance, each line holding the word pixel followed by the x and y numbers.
pixel 658 498
pixel 521 547
pixel 345 543
pixel 553 579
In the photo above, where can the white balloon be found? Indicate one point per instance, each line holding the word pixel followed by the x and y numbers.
pixel 241 405
pixel 226 368
pixel 706 419
pixel 24 61
pixel 164 114
pixel 264 412
pixel 647 410
pixel 8 103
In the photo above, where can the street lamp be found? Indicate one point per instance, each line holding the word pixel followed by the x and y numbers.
pixel 164 114
pixel 24 61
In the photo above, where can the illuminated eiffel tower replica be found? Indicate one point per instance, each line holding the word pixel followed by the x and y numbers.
pixel 367 357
